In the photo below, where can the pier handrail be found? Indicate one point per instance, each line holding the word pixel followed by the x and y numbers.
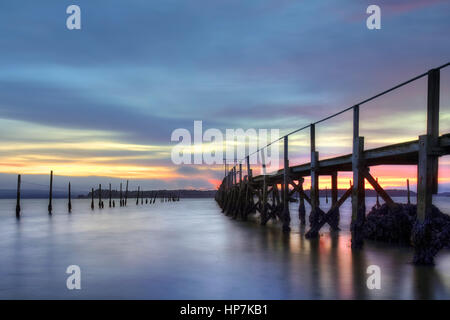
pixel 341 112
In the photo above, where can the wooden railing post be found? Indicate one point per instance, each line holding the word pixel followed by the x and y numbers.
pixel 358 192
pixel 286 213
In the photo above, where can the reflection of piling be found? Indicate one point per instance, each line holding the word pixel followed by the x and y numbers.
pixel 69 205
pixel 18 197
pixel 50 196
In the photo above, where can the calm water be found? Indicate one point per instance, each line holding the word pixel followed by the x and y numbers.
pixel 189 250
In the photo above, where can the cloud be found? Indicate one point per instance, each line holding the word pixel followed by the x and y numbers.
pixel 111 94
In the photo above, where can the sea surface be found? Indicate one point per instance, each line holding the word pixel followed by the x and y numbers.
pixel 190 250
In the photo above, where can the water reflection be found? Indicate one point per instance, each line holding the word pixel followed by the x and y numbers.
pixel 189 250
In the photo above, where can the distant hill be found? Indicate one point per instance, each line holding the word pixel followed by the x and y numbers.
pixel 43 194
pixel 158 193
pixel 33 194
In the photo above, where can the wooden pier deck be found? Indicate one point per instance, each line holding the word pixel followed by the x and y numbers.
pixel 406 153
pixel 269 194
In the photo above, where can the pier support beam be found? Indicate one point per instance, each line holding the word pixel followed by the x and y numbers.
pixel 427 175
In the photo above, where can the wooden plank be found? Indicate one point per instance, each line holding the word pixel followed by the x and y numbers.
pixel 397 154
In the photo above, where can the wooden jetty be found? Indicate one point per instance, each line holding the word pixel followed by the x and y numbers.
pixel 269 194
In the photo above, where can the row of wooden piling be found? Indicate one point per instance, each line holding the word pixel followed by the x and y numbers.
pixel 123 198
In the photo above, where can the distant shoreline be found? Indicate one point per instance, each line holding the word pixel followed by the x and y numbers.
pixel 183 193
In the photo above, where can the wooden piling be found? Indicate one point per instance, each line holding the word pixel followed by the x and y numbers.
pixel 427 174
pixel 120 195
pixel 378 197
pixel 240 173
pixel 286 214
pixel 100 196
pixel 315 213
pixel 263 204
pixel 92 199
pixel 301 206
pixel 50 196
pixel 334 221
pixel 358 193
pixel 427 167
pixel 249 171
pixel 18 197
pixel 69 205
pixel 408 191
pixel 126 194
pixel 110 196
pixel 137 196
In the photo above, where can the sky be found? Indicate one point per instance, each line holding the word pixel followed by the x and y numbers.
pixel 99 105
